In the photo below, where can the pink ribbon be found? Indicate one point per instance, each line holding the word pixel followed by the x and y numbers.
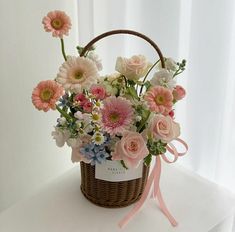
pixel 154 178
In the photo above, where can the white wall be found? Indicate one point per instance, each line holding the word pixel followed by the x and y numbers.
pixel 28 155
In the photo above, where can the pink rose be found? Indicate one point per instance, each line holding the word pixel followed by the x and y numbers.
pixel 179 92
pixel 133 68
pixel 98 91
pixel 164 128
pixel 88 107
pixel 131 149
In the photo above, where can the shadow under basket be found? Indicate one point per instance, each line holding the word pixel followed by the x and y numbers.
pixel 111 194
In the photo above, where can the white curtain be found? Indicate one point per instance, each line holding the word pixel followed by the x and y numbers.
pixel 202 32
pixel 28 154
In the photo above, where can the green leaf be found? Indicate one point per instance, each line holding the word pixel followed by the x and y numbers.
pixel 148 159
pixel 130 82
pixel 132 92
pixel 123 164
pixel 147 85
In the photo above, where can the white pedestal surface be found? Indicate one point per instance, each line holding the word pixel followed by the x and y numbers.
pixel 197 204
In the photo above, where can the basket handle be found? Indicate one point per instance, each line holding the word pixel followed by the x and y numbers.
pixel 135 33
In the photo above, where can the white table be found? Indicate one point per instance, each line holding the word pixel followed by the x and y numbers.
pixel 198 205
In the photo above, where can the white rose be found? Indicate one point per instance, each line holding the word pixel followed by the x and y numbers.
pixel 133 68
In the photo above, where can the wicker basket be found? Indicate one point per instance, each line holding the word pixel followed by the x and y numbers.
pixel 106 193
pixel 111 194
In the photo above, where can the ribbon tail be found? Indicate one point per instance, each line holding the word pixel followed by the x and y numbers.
pixel 157 194
pixel 164 209
pixel 139 204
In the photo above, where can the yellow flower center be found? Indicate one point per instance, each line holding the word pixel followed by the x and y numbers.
pixel 97 138
pixel 98 104
pixel 159 99
pixel 78 75
pixel 95 117
pixel 46 94
pixel 114 117
pixel 57 24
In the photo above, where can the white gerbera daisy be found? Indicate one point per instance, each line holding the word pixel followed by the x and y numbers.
pixel 77 73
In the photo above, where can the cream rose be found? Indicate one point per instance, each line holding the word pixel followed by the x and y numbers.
pixel 131 149
pixel 164 128
pixel 133 68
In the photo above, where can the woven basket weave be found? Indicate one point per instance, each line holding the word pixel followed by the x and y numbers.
pixel 106 193
pixel 111 194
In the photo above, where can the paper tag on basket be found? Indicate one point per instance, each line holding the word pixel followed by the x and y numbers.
pixel 114 171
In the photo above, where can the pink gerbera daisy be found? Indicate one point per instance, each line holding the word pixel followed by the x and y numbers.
pixel 46 94
pixel 57 22
pixel 117 114
pixel 159 99
pixel 77 73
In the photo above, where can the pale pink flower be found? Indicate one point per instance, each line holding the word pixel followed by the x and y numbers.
pixel 179 92
pixel 131 149
pixel 88 107
pixel 98 91
pixel 159 99
pixel 76 155
pixel 117 115
pixel 57 22
pixel 46 94
pixel 77 73
pixel 133 68
pixel 164 128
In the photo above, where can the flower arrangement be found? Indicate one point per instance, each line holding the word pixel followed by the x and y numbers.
pixel 126 116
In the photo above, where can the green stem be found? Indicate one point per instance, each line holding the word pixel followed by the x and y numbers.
pixel 124 80
pixel 62 49
pixel 147 75
pixel 143 122
pixel 177 73
pixel 64 114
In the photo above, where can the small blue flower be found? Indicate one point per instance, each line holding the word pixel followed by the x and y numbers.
pixel 98 148
pixel 87 150
pixel 64 100
pixel 95 153
pixel 101 156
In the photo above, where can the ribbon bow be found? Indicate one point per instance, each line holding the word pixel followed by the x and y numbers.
pixel 154 178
